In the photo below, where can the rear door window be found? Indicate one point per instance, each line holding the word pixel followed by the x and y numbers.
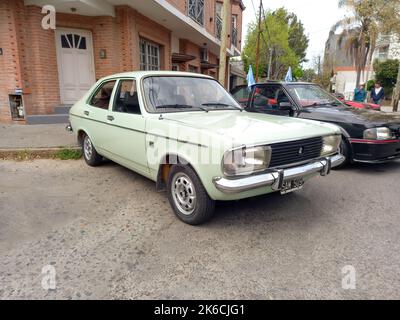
pixel 101 99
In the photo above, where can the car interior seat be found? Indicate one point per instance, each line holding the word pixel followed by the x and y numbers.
pixel 131 103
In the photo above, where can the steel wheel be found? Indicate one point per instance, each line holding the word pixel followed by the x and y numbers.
pixel 184 193
pixel 87 148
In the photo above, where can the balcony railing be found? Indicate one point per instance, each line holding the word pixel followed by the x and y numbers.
pixel 196 11
pixel 218 27
pixel 234 37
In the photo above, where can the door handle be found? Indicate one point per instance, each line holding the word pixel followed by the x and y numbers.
pixel 110 118
pixel 86 113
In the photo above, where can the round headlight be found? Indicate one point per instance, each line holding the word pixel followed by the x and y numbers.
pixel 245 161
pixel 382 133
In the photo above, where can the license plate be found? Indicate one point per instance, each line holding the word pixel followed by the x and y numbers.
pixel 292 185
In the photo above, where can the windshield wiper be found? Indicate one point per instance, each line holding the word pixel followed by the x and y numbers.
pixel 180 106
pixel 217 104
pixel 315 104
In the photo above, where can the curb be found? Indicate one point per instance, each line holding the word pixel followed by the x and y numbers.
pixel 35 153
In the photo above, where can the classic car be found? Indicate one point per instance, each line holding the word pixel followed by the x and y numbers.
pixel 242 95
pixel 186 133
pixel 368 136
pixel 357 104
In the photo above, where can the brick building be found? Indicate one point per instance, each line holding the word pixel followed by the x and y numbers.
pixel 42 71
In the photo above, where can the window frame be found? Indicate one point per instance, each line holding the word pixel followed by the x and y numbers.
pixel 96 91
pixel 148 66
pixel 75 43
pixel 279 86
pixel 117 88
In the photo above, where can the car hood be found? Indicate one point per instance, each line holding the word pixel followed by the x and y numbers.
pixel 370 118
pixel 252 128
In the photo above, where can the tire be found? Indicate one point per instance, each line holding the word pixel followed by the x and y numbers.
pixel 92 158
pixel 344 150
pixel 187 196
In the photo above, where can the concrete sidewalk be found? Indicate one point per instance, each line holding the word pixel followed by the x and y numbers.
pixel 23 137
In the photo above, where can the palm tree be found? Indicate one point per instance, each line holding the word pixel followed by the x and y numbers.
pixel 359 33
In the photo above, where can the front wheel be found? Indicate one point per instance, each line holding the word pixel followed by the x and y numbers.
pixel 187 196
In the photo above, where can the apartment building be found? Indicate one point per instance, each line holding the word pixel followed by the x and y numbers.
pixel 45 68
pixel 338 61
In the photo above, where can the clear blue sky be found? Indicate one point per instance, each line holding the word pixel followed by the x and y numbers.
pixel 318 16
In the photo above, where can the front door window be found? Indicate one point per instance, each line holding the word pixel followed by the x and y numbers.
pixel 268 99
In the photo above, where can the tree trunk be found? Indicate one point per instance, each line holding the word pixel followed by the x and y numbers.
pixel 396 93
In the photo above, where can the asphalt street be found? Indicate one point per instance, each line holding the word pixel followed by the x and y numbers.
pixel 107 234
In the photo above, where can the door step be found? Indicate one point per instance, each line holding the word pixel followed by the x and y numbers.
pixel 60 115
pixel 62 109
pixel 48 119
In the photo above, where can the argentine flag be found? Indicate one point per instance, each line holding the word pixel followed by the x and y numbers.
pixel 289 77
pixel 250 78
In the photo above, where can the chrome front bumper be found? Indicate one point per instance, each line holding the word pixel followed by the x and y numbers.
pixel 276 178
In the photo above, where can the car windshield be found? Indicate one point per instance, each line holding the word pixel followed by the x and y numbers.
pixel 311 95
pixel 174 94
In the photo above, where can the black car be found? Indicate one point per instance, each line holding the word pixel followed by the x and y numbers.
pixel 368 136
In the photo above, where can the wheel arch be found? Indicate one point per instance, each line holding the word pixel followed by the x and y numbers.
pixel 167 161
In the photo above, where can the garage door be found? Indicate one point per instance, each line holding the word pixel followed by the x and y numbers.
pixel 75 63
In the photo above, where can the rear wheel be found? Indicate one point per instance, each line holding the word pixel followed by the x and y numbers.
pixel 187 196
pixel 90 154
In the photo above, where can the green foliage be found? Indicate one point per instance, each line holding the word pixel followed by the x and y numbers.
pixel 283 35
pixel 309 75
pixel 386 74
pixel 370 84
pixel 298 41
pixel 69 154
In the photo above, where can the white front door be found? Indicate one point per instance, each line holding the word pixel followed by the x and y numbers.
pixel 75 63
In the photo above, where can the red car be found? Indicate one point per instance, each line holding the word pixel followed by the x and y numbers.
pixel 356 104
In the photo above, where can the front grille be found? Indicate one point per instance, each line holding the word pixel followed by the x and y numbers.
pixel 292 152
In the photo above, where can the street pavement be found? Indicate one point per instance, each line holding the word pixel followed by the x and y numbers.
pixel 108 234
pixel 35 136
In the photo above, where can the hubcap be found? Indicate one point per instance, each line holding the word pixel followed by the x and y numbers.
pixel 184 193
pixel 87 148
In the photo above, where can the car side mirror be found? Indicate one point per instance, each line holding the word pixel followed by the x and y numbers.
pixel 285 106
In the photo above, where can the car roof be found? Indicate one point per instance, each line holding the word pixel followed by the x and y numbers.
pixel 142 74
pixel 283 83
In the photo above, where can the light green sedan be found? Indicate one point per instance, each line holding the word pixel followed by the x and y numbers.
pixel 186 133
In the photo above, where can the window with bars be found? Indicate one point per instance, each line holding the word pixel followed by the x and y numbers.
pixel 218 20
pixel 196 10
pixel 149 55
pixel 234 37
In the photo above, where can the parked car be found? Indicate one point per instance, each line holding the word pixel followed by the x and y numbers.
pixel 368 136
pixel 357 104
pixel 186 133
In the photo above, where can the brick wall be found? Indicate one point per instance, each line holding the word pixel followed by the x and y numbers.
pixel 210 13
pixel 29 59
pixel 236 10
pixel 10 67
